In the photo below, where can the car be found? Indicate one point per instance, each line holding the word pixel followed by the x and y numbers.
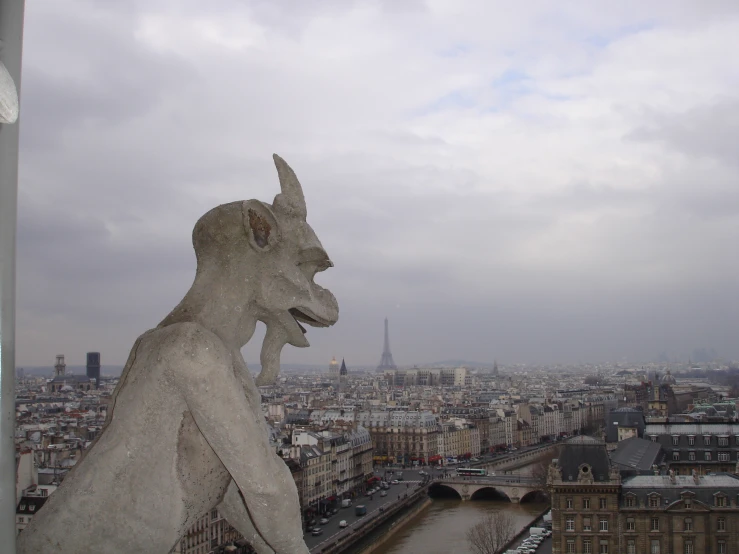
pixel 323 521
pixel 334 512
pixel 342 523
pixel 475 460
pixel 394 482
pixel 383 493
pixel 369 493
pixel 317 531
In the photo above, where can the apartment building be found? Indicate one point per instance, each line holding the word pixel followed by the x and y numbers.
pixel 704 447
pixel 595 510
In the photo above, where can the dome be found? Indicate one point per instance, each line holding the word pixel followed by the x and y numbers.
pixel 668 379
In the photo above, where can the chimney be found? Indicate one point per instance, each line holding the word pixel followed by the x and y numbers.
pixel 673 479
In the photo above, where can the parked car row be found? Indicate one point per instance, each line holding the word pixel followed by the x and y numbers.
pixel 529 545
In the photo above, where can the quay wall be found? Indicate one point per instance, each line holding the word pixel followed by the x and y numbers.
pixel 522 533
pixel 406 509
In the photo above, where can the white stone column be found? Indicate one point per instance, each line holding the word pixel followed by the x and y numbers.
pixel 11 35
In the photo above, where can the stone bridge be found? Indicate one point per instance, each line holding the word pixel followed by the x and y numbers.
pixel 516 489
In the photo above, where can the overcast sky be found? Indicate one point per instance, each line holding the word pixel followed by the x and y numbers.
pixel 550 182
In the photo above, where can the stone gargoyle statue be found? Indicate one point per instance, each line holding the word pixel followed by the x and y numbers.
pixel 184 432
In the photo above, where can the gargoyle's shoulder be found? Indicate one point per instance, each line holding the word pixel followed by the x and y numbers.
pixel 189 342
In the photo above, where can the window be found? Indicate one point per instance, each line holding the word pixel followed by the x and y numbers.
pixel 32 507
pixel 654 547
pixel 631 547
pixel 721 547
pixel 603 547
pixel 585 503
pixel 688 525
pixel 629 502
pixel 586 524
pixel 655 524
pixel 570 546
pixel 570 524
pixel 707 440
pixel 688 503
pixel 675 440
pixel 676 456
pixel 723 457
pixel 587 546
pixel 721 524
pixel 654 438
pixel 654 501
pixel 630 525
pixel 723 441
pixel 691 456
pixel 721 501
pixel 603 503
pixel 603 524
pixel 568 503
pixel 21 520
pixel 691 441
pixel 707 456
pixel 688 547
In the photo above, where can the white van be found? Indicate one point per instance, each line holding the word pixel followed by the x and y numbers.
pixel 346 503
pixel 342 523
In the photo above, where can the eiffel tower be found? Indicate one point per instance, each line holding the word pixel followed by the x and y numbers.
pixel 387 357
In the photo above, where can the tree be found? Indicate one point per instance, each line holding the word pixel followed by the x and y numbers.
pixel 540 468
pixel 490 535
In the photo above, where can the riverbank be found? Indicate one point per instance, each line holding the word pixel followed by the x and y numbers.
pixel 520 535
pixel 397 525
pixel 442 526
pixel 367 533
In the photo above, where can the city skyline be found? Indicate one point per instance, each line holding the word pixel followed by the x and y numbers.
pixel 537 184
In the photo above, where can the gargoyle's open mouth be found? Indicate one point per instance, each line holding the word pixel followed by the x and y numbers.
pixel 309 318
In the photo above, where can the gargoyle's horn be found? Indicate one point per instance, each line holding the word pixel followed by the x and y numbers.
pixel 291 199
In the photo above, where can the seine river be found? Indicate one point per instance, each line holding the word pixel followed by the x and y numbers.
pixel 441 527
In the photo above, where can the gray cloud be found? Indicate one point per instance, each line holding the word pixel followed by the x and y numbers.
pixel 591 214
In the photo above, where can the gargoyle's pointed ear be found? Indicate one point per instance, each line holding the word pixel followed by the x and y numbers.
pixel 260 225
pixel 291 200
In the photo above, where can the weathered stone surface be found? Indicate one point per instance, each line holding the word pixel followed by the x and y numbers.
pixel 185 432
pixel 8 95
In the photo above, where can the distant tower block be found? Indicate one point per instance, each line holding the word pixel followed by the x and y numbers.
pixel 333 370
pixel 60 368
pixel 387 357
pixel 93 367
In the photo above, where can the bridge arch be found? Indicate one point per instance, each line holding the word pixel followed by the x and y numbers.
pixel 439 490
pixel 490 493
pixel 535 496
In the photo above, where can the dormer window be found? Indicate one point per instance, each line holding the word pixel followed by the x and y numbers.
pixel 654 500
pixel 720 501
pixel 32 508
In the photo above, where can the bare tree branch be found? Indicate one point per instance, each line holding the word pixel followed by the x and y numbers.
pixel 490 535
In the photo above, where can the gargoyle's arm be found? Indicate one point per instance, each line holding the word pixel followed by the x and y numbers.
pixel 226 416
